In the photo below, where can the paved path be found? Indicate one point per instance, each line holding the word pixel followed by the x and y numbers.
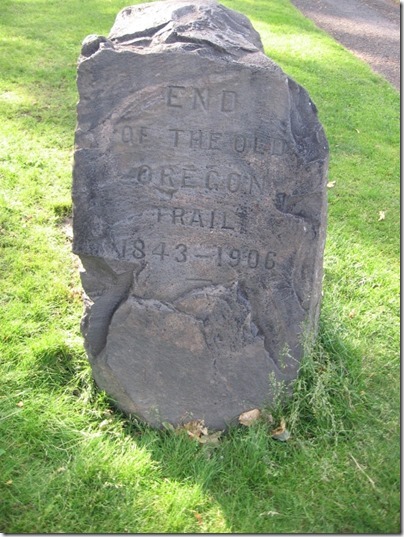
pixel 368 28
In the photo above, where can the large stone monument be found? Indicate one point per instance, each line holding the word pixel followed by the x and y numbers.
pixel 199 213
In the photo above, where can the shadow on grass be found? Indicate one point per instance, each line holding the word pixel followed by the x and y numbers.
pixel 257 485
pixel 260 484
pixel 250 482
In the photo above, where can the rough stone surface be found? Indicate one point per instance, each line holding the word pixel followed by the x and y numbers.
pixel 199 213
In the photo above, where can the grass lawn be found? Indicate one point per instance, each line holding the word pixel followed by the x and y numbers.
pixel 69 462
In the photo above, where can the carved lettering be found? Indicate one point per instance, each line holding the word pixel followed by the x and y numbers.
pixel 196 218
pixel 221 256
pixel 254 181
pixel 144 175
pixel 201 97
pixel 269 260
pixel 240 143
pixel 191 177
pixel 178 213
pixel 142 134
pixel 259 145
pixel 211 180
pixel 229 99
pixel 174 96
pixel 188 180
pixel 182 253
pixel 166 176
pixel 225 224
pixel 212 220
pixel 202 140
pixel 233 182
pixel 176 136
pixel 253 258
pixel 203 218
pixel 160 250
pixel 195 139
pixel 242 213
pixel 214 138
pixel 138 249
pixel 127 134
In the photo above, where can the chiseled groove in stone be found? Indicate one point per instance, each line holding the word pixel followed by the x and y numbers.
pixel 103 308
pixel 127 39
pixel 178 38
pixel 302 102
pixel 255 330
pixel 165 307
pixel 210 23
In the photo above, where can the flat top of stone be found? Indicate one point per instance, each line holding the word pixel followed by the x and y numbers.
pixel 181 24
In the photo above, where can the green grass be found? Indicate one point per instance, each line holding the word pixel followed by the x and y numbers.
pixel 71 463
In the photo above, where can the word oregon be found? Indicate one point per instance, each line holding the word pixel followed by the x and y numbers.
pixel 173 178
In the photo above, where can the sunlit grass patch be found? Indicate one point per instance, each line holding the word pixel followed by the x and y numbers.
pixel 70 462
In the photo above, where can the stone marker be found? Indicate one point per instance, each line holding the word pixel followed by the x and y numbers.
pixel 199 213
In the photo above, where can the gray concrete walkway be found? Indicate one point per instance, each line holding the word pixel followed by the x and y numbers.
pixel 368 28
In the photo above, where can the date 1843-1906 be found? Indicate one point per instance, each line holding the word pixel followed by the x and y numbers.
pixel 182 253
